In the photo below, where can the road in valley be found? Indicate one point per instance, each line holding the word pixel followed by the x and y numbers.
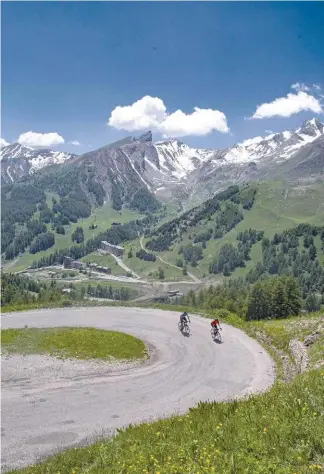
pixel 49 404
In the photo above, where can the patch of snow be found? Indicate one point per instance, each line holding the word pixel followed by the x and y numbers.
pixel 152 165
pixel 178 158
pixel 251 141
pixel 41 160
pixel 286 135
pixel 8 172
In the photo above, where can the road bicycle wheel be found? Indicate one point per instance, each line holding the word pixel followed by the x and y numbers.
pixel 186 330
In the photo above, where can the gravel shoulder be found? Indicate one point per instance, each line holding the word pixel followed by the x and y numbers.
pixel 50 404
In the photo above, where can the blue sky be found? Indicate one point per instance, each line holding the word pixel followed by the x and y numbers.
pixel 66 66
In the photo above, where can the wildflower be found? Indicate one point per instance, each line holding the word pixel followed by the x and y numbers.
pixel 265 430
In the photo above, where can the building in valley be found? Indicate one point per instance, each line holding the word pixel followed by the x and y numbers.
pixel 113 249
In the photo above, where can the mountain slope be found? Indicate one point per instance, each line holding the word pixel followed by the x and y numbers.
pixel 258 158
pixel 173 169
pixel 169 166
pixel 309 161
pixel 76 187
pixel 138 172
pixel 276 147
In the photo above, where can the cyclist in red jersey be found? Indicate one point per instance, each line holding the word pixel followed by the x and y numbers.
pixel 215 323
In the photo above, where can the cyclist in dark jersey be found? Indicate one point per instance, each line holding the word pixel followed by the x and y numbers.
pixel 183 318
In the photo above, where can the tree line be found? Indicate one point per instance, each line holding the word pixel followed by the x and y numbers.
pixel 191 254
pixel 287 254
pixel 272 298
pixel 78 235
pixel 42 242
pixel 143 255
pixel 224 211
pixel 231 257
pixel 108 292
pixel 19 289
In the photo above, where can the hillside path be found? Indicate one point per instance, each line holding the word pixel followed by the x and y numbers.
pixel 193 277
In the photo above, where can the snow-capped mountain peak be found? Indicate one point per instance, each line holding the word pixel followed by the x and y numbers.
pixel 173 161
pixel 15 151
pixel 276 146
pixel 312 128
pixel 18 160
pixel 178 159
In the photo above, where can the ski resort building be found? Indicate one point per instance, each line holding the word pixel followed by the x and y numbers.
pixel 110 248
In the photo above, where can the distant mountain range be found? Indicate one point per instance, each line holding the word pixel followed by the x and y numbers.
pixel 18 161
pixel 172 168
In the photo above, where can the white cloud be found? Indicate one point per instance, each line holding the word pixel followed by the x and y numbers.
pixel 199 122
pixel 300 86
pixel 150 112
pixel 75 143
pixel 40 140
pixel 3 143
pixel 287 106
pixel 269 132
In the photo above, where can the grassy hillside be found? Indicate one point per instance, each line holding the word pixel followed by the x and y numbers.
pixel 102 217
pixel 277 207
pixel 149 270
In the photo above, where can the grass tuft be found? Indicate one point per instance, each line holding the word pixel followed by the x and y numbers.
pixel 79 343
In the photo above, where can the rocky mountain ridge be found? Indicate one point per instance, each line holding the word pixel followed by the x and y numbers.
pixel 172 168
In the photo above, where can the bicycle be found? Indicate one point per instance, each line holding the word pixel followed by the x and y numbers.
pixel 184 328
pixel 215 334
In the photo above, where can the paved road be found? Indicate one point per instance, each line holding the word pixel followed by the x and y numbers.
pixel 45 410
